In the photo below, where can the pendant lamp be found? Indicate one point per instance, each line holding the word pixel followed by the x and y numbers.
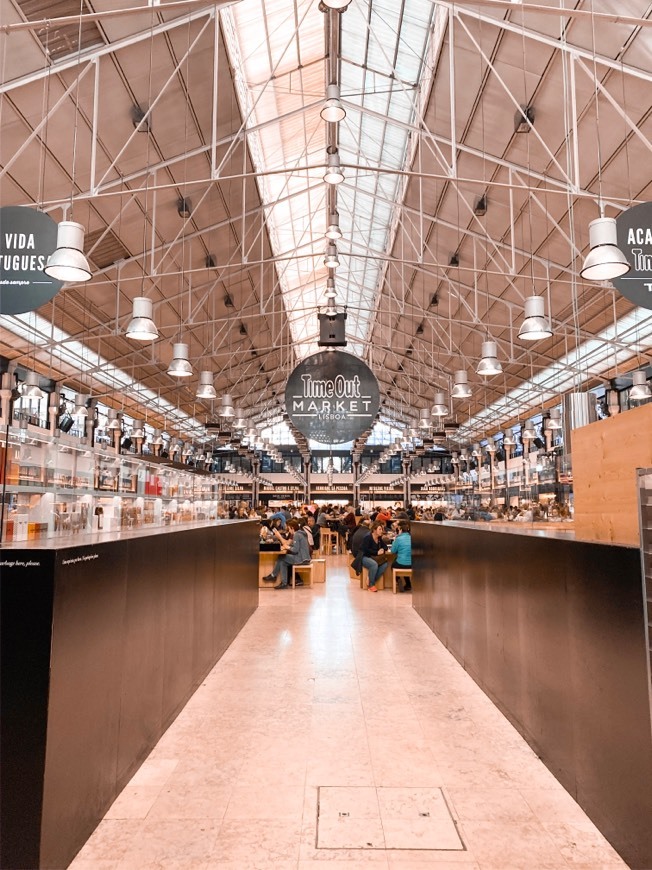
pixel 180 365
pixel 605 260
pixel 489 363
pixel 554 421
pixel 535 325
pixel 333 111
pixel 333 174
pixel 333 231
pixel 331 260
pixel 424 418
pixel 67 262
pixel 528 432
pixel 461 388
pixel 114 423
pixel 141 326
pixel 226 407
pixel 80 405
pixel 31 388
pixel 640 389
pixel 440 408
pixel 206 390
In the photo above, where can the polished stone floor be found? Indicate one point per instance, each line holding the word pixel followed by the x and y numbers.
pixel 337 729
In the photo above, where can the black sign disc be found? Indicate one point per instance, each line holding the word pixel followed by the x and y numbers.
pixel 27 238
pixel 332 397
pixel 634 228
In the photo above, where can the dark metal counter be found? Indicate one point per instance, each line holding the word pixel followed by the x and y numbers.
pixel 102 644
pixel 552 629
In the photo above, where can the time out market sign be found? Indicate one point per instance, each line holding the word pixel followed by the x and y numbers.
pixel 332 397
pixel 634 229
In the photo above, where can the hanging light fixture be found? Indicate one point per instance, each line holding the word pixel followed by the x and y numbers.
pixel 554 421
pixel 614 404
pixel 331 307
pixel 180 365
pixel 206 390
pixel 535 323
pixel 509 440
pixel 80 405
pixel 333 231
pixel 491 445
pixel 114 423
pixel 489 363
pixel 424 418
pixel 605 260
pixel 440 408
pixel 67 262
pixel 333 174
pixel 640 389
pixel 528 433
pixel 337 5
pixel 461 388
pixel 226 407
pixel 333 111
pixel 239 421
pixel 31 388
pixel 141 326
pixel 331 260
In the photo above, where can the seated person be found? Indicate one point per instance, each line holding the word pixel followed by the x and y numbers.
pixel 295 552
pixel 371 546
pixel 362 530
pixel 402 548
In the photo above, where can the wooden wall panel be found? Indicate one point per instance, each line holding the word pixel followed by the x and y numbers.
pixel 606 455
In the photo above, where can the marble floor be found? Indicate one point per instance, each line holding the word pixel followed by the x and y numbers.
pixel 337 728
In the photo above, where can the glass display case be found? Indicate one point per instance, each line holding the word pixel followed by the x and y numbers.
pixel 59 486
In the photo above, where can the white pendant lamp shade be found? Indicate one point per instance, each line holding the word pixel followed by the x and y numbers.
pixel 605 260
pixel 80 405
pixel 440 408
pixel 491 446
pixel 535 323
pixel 67 262
pixel 180 366
pixel 333 111
pixel 333 231
pixel 461 388
pixel 509 440
pixel 113 424
pixel 226 407
pixel 239 421
pixel 331 260
pixel 528 432
pixel 206 390
pixel 333 174
pixel 336 4
pixel 477 452
pixel 640 389
pixel 424 418
pixel 141 326
pixel 554 421
pixel 138 429
pixel 31 389
pixel 489 364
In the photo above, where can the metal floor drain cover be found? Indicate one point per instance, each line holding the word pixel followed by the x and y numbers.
pixel 364 817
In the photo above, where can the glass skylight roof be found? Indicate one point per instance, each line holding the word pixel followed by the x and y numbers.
pixel 277 52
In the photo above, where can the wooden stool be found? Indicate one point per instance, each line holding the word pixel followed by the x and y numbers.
pixel 364 579
pixel 319 570
pixel 305 572
pixel 400 572
pixel 328 541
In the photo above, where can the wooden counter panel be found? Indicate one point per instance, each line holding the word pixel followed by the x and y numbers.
pixel 552 630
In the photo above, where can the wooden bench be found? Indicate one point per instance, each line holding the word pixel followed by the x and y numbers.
pixel 400 572
pixel 380 581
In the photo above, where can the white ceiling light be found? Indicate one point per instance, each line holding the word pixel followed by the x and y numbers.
pixel 554 421
pixel 206 390
pixel 461 388
pixel 605 260
pixel 640 389
pixel 180 365
pixel 331 260
pixel 333 174
pixel 333 231
pixel 67 262
pixel 114 423
pixel 333 111
pixel 509 440
pixel 528 432
pixel 424 418
pixel 80 405
pixel 339 5
pixel 489 363
pixel 141 326
pixel 535 323
pixel 491 446
pixel 226 408
pixel 440 408
pixel 31 388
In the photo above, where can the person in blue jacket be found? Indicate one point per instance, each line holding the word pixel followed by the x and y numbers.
pixel 402 548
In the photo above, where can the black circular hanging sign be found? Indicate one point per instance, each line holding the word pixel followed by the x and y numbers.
pixel 634 228
pixel 27 238
pixel 332 397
